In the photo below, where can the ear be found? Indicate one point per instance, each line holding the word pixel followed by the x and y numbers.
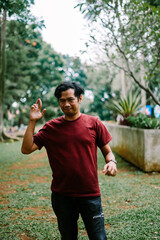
pixel 80 98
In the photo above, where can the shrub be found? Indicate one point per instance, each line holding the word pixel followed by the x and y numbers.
pixel 126 106
pixel 50 113
pixel 143 121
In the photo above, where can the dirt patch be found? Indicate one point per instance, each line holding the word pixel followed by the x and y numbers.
pixel 125 170
pixel 25 236
pixel 39 179
pixel 156 175
pixel 118 204
pixel 31 162
pixel 127 207
pixel 43 198
pixel 37 156
pixel 84 233
pixel 7 187
pixel 3 201
pixel 107 226
pixel 15 181
pixel 30 166
pixel 39 211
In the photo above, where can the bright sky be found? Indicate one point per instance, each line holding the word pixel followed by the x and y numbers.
pixel 65 29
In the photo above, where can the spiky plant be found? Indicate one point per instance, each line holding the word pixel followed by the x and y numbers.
pixel 125 106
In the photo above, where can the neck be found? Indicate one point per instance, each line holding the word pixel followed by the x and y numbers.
pixel 72 118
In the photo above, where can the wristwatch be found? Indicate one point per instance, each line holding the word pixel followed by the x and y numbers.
pixel 113 161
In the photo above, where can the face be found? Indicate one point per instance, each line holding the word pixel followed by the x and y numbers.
pixel 69 103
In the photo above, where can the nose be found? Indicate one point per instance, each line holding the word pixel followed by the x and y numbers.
pixel 67 104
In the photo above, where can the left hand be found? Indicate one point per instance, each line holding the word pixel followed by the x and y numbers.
pixel 110 169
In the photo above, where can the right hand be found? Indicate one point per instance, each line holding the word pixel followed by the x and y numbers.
pixel 35 112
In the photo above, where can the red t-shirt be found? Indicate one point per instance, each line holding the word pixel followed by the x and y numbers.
pixel 72 151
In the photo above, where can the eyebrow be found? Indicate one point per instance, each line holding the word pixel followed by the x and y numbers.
pixel 64 99
pixel 67 98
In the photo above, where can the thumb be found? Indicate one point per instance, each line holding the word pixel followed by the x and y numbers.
pixel 43 112
pixel 105 168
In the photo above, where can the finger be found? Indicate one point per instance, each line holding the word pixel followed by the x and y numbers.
pixel 105 169
pixel 107 172
pixel 35 105
pixel 43 112
pixel 114 171
pixel 109 169
pixel 39 102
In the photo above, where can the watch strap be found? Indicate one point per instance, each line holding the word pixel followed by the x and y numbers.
pixel 113 161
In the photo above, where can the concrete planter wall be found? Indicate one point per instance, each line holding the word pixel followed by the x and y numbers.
pixel 138 146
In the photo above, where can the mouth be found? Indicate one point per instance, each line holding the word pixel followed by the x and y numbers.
pixel 67 109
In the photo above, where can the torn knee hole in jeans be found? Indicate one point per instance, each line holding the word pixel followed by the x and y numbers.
pixel 98 216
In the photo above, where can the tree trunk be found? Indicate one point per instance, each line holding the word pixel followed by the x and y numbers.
pixel 143 93
pixel 123 81
pixel 2 69
pixel 123 75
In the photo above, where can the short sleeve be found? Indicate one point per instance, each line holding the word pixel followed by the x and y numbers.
pixel 39 139
pixel 103 136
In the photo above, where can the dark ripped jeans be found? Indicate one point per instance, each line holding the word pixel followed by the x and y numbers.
pixel 67 210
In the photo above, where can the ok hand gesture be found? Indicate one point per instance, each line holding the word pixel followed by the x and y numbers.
pixel 35 112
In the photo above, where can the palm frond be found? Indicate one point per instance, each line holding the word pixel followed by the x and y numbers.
pixel 126 106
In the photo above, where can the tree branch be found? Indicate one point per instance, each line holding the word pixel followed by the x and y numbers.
pixel 130 73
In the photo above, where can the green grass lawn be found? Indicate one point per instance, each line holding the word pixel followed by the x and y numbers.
pixel 131 200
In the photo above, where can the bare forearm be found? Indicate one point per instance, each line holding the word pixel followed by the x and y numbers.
pixel 107 153
pixel 110 166
pixel 35 114
pixel 109 156
pixel 28 138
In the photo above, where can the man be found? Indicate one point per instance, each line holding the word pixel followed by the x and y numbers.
pixel 71 143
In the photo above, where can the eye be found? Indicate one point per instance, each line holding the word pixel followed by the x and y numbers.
pixel 61 100
pixel 71 100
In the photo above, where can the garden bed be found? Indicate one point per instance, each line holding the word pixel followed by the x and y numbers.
pixel 138 146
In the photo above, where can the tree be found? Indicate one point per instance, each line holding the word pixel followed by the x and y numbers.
pixel 33 69
pixel 47 73
pixel 128 34
pixel 20 10
pixel 98 106
pixel 18 64
pixel 155 3
pixel 2 68
pixel 74 70
pixel 100 81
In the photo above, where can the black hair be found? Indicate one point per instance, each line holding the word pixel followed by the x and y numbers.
pixel 78 90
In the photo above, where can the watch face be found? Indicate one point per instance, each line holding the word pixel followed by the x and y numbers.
pixel 113 161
